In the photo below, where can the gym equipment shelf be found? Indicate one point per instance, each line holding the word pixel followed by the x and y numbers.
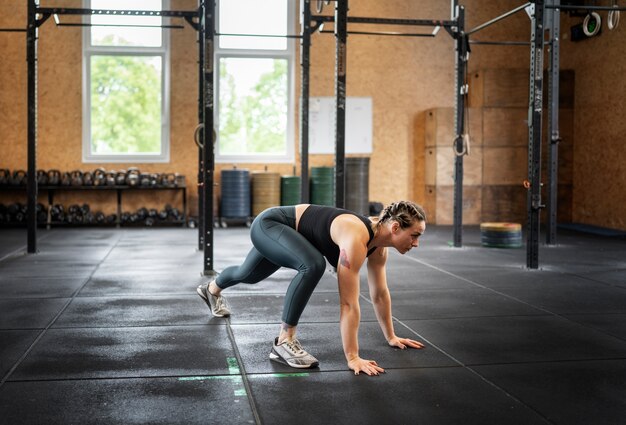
pixel 119 189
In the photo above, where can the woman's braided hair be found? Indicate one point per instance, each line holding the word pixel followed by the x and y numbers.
pixel 404 212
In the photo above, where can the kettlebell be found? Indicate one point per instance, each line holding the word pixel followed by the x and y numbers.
pixel 5 176
pixel 54 177
pixel 42 177
pixel 133 177
pixel 110 178
pixel 120 178
pixel 18 178
pixel 99 177
pixel 76 178
pixel 88 178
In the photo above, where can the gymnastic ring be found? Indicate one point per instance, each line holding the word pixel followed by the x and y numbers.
pixel 597 21
pixel 319 6
pixel 465 150
pixel 196 133
pixel 526 184
pixel 612 19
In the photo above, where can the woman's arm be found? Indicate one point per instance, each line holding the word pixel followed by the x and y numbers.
pixel 379 292
pixel 381 299
pixel 352 251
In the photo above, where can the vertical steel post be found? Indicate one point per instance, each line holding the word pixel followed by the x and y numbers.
pixel 32 189
pixel 208 158
pixel 535 105
pixel 341 36
pixel 459 121
pixel 305 64
pixel 201 32
pixel 553 123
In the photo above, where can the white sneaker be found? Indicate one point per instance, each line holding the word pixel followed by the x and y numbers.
pixel 218 305
pixel 292 354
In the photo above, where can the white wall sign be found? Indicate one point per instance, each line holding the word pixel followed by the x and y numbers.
pixel 358 125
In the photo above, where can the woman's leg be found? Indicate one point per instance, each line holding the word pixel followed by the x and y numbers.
pixel 254 269
pixel 275 238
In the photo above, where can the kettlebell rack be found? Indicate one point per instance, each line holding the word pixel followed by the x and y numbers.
pixel 172 215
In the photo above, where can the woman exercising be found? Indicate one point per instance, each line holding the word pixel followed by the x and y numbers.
pixel 299 237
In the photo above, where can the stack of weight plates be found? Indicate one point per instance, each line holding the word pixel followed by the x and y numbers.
pixel 235 194
pixel 265 191
pixel 323 185
pixel 290 190
pixel 501 235
pixel 357 185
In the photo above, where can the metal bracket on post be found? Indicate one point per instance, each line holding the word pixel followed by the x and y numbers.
pixel 341 26
pixel 534 133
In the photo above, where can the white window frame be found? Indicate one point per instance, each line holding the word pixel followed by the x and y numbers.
pixel 287 54
pixel 164 52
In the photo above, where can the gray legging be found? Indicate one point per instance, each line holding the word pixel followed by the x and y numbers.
pixel 277 244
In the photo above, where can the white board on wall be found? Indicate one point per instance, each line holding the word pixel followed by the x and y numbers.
pixel 358 125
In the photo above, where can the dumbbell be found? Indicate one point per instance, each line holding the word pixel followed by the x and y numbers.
pixel 142 214
pixel 42 213
pixel 100 218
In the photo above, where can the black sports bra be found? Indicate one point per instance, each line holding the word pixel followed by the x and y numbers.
pixel 315 227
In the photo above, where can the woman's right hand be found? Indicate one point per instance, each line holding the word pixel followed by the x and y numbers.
pixel 368 366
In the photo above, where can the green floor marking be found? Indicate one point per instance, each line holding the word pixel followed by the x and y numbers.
pixel 233 367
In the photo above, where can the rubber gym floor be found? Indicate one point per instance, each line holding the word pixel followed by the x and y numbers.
pixel 103 326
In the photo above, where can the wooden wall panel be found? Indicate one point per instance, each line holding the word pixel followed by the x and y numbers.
pixel 439 204
pixel 505 165
pixel 499 88
pixel 505 126
pixel 439 166
pixel 504 203
pixel 599 170
pixel 440 128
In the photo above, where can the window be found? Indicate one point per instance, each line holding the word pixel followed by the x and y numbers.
pixel 254 83
pixel 126 81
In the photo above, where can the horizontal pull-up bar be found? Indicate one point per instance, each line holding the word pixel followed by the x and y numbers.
pixel 258 35
pixel 499 18
pixel 12 30
pixel 389 21
pixel 583 7
pixel 501 43
pixel 61 24
pixel 398 34
pixel 58 23
pixel 115 12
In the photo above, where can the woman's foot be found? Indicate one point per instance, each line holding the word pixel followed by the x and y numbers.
pixel 217 303
pixel 291 353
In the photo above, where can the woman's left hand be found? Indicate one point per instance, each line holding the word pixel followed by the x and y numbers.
pixel 403 343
